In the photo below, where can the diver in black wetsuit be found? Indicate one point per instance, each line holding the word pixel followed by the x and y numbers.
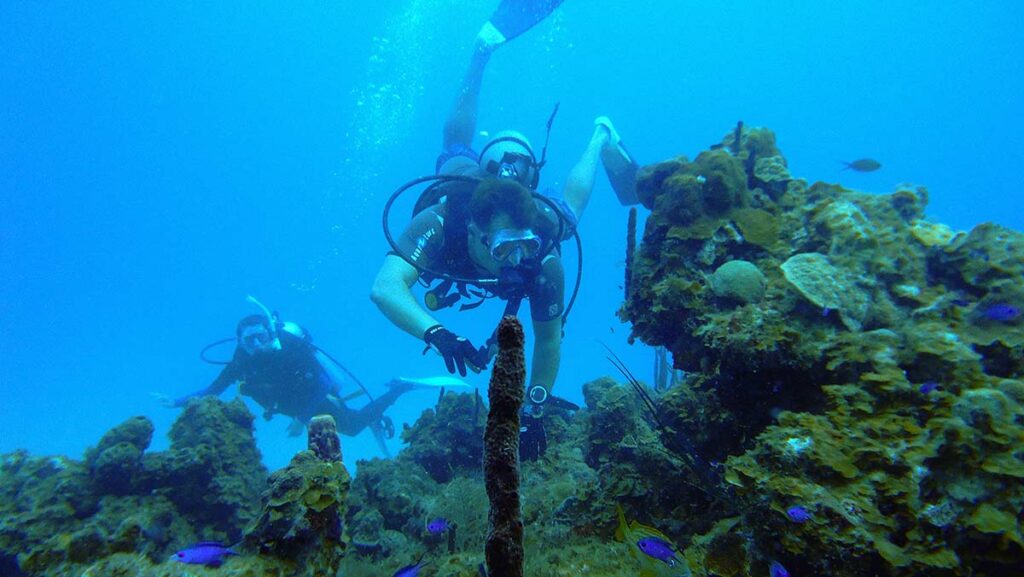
pixel 281 369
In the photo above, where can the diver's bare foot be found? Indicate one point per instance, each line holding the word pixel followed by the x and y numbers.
pixel 603 129
pixel 488 39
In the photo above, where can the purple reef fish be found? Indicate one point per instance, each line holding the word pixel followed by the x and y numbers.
pixel 209 553
pixel 411 570
pixel 658 549
pixel 928 387
pixel 438 526
pixel 798 514
pixel 777 570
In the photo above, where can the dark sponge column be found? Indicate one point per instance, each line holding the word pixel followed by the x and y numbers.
pixel 504 547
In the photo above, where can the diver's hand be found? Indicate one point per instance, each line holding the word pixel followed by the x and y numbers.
pixel 164 400
pixel 295 428
pixel 457 351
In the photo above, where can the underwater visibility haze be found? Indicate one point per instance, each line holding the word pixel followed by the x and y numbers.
pixel 802 355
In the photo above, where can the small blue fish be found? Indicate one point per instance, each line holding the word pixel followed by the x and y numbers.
pixel 928 387
pixel 777 570
pixel 438 526
pixel 411 570
pixel 658 549
pixel 1001 312
pixel 209 553
pixel 798 514
pixel 825 311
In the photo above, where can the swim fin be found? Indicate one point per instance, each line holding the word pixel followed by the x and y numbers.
pixel 513 17
pixel 377 429
pixel 619 165
pixel 429 382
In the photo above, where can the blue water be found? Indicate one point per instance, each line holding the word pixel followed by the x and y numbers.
pixel 160 161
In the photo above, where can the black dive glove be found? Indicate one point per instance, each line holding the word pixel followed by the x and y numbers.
pixel 457 351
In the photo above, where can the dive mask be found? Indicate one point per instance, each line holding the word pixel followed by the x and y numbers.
pixel 255 340
pixel 514 246
pixel 513 166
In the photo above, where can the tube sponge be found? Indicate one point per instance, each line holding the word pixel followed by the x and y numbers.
pixel 504 547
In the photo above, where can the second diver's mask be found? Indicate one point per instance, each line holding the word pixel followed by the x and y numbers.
pixel 256 339
pixel 512 166
pixel 509 155
pixel 512 246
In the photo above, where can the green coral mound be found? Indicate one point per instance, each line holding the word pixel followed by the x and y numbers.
pixel 897 418
pixel 739 280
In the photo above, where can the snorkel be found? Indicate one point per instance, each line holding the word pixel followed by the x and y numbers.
pixel 271 322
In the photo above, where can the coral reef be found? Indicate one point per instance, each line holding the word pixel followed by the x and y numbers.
pixel 61 515
pixel 213 472
pixel 875 384
pixel 504 546
pixel 68 518
pixel 853 405
pixel 450 437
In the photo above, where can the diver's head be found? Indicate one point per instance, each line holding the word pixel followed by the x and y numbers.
pixel 503 223
pixel 509 155
pixel 254 335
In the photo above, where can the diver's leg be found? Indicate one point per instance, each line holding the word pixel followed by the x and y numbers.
pixel 352 421
pixel 580 182
pixel 346 419
pixel 461 124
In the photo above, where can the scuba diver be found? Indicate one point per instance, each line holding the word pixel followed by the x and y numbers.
pixel 279 367
pixel 483 230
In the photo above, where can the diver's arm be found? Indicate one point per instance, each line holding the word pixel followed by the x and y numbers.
pixel 392 293
pixel 547 304
pixel 547 352
pixel 225 379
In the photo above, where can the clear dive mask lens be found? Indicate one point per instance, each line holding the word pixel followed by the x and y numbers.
pixel 514 245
